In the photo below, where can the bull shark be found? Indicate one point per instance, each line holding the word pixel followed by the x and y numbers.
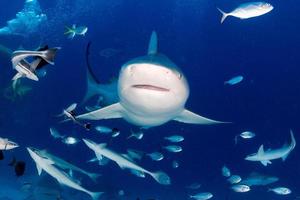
pixel 63 178
pixel 152 91
pixel 125 162
pixel 265 157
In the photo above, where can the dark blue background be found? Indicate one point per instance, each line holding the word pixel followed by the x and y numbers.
pixel 265 50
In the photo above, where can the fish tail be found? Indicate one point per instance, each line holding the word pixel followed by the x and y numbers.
pixel 161 177
pixel 68 30
pixel 95 195
pixel 224 15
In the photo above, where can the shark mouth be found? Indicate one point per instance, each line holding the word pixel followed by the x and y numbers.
pixel 150 87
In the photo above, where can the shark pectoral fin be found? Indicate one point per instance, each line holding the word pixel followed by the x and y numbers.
pixel 39 169
pixel 192 118
pixel 265 162
pixel 109 112
pixel 121 166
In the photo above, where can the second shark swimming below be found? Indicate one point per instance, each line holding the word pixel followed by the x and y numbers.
pixel 265 157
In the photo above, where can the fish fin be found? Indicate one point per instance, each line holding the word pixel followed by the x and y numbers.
pixel 152 48
pixel 39 169
pixel 224 16
pixel 261 151
pixel 34 64
pixel 127 157
pixel 284 157
pixel 121 166
pixel 95 195
pixel 71 174
pixel 191 118
pixel 17 76
pixel 71 35
pixel 161 177
pixel 49 55
pixel 109 112
pixel 293 140
pixel 93 176
pixel 72 107
pixel 265 162
pixel 68 30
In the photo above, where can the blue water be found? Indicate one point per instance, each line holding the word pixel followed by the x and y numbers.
pixel 264 50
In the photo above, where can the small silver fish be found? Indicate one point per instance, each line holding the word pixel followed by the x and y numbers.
pixel 115 133
pixel 137 135
pixel 103 129
pixel 202 196
pixel 6 144
pixel 74 30
pixel 175 164
pixel 194 186
pixel 240 188
pixel 281 190
pixel 175 138
pixel 70 140
pixel 173 148
pixel 225 171
pixel 156 156
pixel 248 10
pixel 234 179
pixel 234 80
pixel 244 135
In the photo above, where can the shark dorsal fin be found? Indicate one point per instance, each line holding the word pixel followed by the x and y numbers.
pixel 102 145
pixel 261 150
pixel 152 48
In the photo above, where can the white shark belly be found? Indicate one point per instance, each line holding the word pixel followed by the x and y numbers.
pixel 148 119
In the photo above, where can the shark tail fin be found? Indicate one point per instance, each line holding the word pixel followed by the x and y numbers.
pixel 152 48
pixel 93 176
pixel 95 195
pixel 161 177
pixel 293 143
pixel 224 15
pixel 92 81
pixel 292 146
pixel 49 55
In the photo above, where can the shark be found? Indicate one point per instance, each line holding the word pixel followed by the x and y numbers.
pixel 265 157
pixel 152 90
pixel 47 165
pixel 125 162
